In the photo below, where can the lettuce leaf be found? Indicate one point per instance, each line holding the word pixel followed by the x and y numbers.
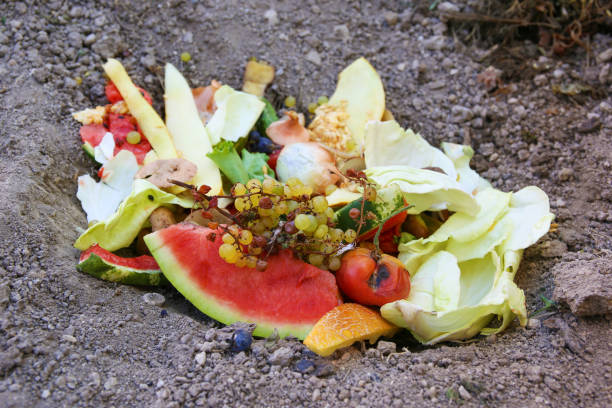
pixel 226 157
pixel 425 189
pixel 254 164
pixel 123 226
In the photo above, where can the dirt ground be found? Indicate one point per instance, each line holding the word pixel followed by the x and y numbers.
pixel 67 339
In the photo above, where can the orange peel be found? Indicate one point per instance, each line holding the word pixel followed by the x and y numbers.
pixel 344 325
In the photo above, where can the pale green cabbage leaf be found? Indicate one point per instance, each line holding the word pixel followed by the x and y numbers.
pixel 387 144
pixel 123 226
pixel 486 249
pixel 235 116
pixel 425 189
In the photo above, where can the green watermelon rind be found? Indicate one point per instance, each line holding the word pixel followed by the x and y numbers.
pixel 89 149
pixel 209 305
pixel 100 268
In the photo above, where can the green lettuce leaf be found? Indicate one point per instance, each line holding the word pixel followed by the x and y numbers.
pixel 425 189
pixel 254 164
pixel 226 157
pixel 123 226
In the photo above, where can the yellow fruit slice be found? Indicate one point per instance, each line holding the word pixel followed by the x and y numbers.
pixel 344 325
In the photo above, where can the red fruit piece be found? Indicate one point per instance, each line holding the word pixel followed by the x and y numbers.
pixel 371 281
pixel 113 95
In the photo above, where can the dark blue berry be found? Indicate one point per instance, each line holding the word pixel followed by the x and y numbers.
pixel 260 144
pixel 241 341
pixel 305 366
pixel 163 313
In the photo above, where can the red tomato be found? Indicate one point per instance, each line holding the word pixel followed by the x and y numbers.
pixel 371 281
pixel 113 95
pixel 273 158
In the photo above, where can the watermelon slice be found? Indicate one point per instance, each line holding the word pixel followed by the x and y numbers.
pixel 141 270
pixel 289 296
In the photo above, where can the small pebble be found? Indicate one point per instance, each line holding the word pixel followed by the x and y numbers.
pixel 154 299
pixel 463 393
pixel 305 366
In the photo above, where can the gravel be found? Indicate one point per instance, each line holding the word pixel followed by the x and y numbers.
pixel 129 353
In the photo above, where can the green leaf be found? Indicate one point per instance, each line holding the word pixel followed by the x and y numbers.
pixel 254 164
pixel 226 158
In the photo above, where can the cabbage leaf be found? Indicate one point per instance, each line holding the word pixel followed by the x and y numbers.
pixel 486 249
pixel 123 226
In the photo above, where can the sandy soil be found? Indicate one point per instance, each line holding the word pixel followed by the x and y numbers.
pixel 67 339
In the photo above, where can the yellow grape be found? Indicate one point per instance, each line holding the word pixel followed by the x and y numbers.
pixel 266 212
pixel 251 261
pixel 336 234
pixel 240 204
pixel 258 227
pixel 228 238
pixel 234 230
pixel 245 237
pixel 294 181
pixel 321 219
pixel 241 262
pixel 315 259
pixel 228 253
pixel 253 184
pixel 329 212
pixel 268 185
pixel 334 263
pixel 239 189
pixel 319 204
pixel 281 208
pixel 255 199
pixel 350 235
pixel 321 231
pixel 269 222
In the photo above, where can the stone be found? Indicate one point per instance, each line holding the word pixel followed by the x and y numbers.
pixel 605 56
pixel 341 31
pixel 447 6
pixel 200 358
pixel 154 299
pixel 108 46
pixel 566 174
pixel 585 285
pixel 464 394
pixel 534 374
pixel 281 357
pixel 313 57
pixel 461 114
pixel 386 347
pixel 90 39
pixel 272 16
pixel 391 17
pixel 437 42
pixel 553 249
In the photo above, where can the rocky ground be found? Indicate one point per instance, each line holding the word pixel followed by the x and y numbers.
pixel 67 339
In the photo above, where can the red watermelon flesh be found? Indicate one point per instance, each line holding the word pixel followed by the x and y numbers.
pixel 119 126
pixel 290 295
pixel 141 270
pixel 113 95
pixel 144 262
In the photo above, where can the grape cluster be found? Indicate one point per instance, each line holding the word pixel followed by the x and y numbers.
pixel 271 216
